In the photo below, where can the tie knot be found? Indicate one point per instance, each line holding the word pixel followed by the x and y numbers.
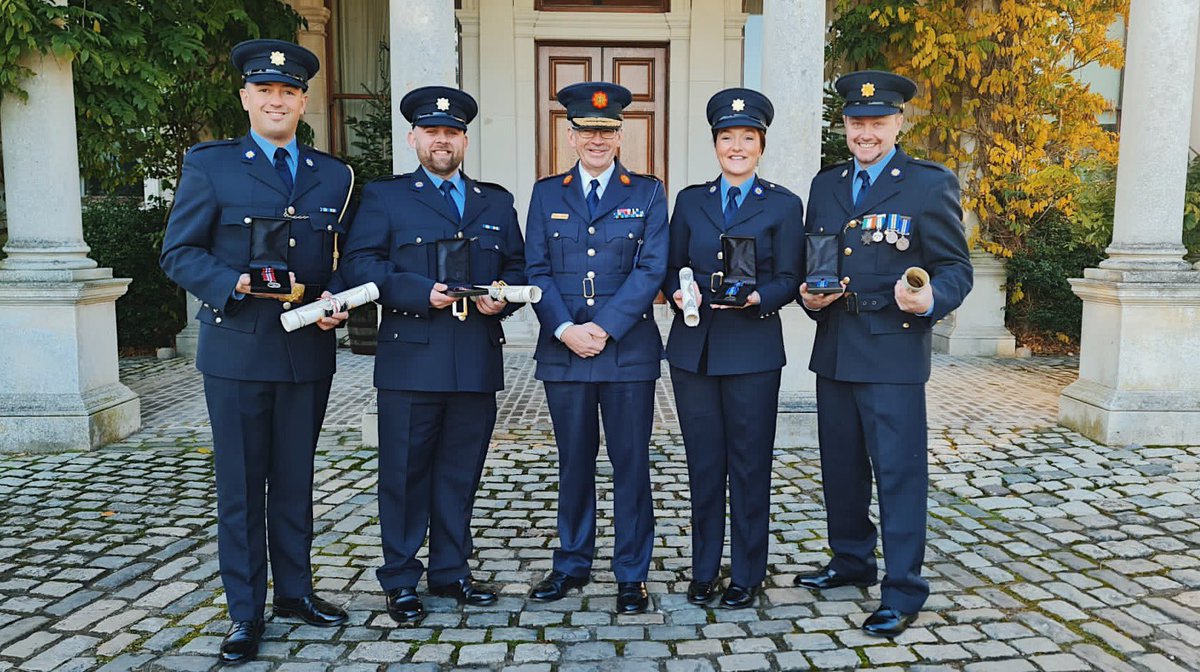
pixel 447 187
pixel 734 192
pixel 281 154
pixel 864 176
pixel 594 184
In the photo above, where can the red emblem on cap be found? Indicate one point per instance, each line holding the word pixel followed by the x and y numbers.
pixel 599 100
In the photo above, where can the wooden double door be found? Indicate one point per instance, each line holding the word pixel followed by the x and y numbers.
pixel 640 68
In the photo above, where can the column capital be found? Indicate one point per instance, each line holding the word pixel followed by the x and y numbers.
pixel 315 13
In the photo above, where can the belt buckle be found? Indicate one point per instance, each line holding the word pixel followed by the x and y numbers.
pixel 589 288
pixel 852 303
pixel 715 280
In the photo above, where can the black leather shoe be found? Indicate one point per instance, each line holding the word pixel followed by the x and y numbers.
pixel 887 622
pixel 737 597
pixel 310 609
pixel 632 597
pixel 827 578
pixel 466 591
pixel 241 644
pixel 404 606
pixel 555 586
pixel 700 592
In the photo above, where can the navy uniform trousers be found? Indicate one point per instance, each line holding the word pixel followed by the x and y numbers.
pixel 621 252
pixel 872 361
pixel 266 389
pixel 436 376
pixel 726 371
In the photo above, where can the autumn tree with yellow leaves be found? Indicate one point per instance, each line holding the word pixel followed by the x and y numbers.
pixel 999 99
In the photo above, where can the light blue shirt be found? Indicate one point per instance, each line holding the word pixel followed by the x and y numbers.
pixel 602 177
pixel 742 188
pixel 459 193
pixel 268 149
pixel 874 172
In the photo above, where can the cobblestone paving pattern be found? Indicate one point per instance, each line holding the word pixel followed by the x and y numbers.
pixel 1046 551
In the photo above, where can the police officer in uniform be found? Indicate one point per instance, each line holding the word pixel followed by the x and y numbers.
pixel 597 246
pixel 436 374
pixel 872 348
pixel 266 389
pixel 726 370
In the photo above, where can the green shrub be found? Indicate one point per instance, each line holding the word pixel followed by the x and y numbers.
pixel 128 238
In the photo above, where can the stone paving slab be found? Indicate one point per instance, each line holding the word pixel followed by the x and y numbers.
pixel 1046 551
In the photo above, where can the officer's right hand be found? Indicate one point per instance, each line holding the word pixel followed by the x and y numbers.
pixel 437 299
pixel 243 286
pixel 819 301
pixel 678 296
pixel 582 342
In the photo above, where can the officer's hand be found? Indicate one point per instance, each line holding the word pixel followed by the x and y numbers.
pixel 581 341
pixel 678 296
pixel 243 286
pixel 437 299
pixel 819 301
pixel 752 300
pixel 489 306
pixel 340 314
pixel 595 330
pixel 913 302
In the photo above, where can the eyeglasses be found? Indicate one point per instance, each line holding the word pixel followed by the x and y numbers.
pixel 602 133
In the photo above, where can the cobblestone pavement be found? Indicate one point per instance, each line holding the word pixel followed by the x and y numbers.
pixel 1046 551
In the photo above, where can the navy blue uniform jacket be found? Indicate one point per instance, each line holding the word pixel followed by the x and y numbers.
pixel 393 244
pixel 746 340
pixel 624 248
pixel 207 246
pixel 882 344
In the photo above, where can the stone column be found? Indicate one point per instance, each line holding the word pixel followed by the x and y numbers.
pixel 59 388
pixel 423 52
pixel 977 326
pixel 793 74
pixel 313 38
pixel 1139 382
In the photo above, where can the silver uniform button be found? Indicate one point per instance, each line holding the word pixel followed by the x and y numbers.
pixel 591 229
pixel 418 240
pixel 329 227
pixel 591 302
pixel 287 305
pixel 218 320
pixel 720 255
pixel 291 210
pixel 591 274
pixel 591 252
pixel 247 220
pixel 631 235
pixel 291 242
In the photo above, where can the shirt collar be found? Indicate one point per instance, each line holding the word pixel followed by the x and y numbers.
pixel 456 179
pixel 742 188
pixel 602 177
pixel 877 168
pixel 268 147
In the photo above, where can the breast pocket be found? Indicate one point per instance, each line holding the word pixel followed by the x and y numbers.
pixel 413 251
pixel 488 257
pixel 627 234
pixel 231 243
pixel 565 252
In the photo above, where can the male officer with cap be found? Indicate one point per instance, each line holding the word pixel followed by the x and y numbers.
pixel 597 247
pixel 266 389
pixel 437 374
pixel 872 348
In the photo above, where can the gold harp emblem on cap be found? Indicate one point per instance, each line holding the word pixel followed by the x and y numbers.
pixel 868 90
pixel 443 104
pixel 738 105
pixel 277 58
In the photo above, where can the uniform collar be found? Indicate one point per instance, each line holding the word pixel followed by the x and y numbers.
pixel 744 188
pixel 457 180
pixel 602 177
pixel 877 168
pixel 268 148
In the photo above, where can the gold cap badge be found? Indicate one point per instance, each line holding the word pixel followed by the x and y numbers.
pixel 738 104
pixel 443 104
pixel 277 58
pixel 868 90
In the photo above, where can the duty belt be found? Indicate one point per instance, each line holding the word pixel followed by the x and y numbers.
pixel 599 284
pixel 857 302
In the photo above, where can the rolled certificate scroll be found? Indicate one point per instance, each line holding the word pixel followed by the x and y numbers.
pixel 351 298
pixel 915 279
pixel 691 312
pixel 514 293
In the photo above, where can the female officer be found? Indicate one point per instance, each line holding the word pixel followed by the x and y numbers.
pixel 726 370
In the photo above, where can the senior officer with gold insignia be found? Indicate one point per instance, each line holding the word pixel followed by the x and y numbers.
pixel 437 372
pixel 726 369
pixel 238 202
pixel 597 245
pixel 872 348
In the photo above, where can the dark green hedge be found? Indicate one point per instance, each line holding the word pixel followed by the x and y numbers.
pixel 127 237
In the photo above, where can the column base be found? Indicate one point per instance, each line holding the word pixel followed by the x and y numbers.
pixel 977 327
pixel 1137 383
pixel 796 424
pixel 61 422
pixel 370 424
pixel 187 341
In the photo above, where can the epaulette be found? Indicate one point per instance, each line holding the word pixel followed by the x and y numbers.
pixel 559 177
pixel 492 185
pixel 385 178
pixel 774 186
pixel 213 143
pixel 834 166
pixel 314 150
pixel 647 176
pixel 702 185
pixel 929 164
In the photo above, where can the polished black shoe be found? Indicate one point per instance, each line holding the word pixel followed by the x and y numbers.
pixel 310 609
pixel 700 592
pixel 828 578
pixel 241 644
pixel 737 597
pixel 632 597
pixel 466 591
pixel 404 606
pixel 555 586
pixel 887 622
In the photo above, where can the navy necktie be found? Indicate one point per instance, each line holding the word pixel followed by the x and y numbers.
pixel 731 204
pixel 448 191
pixel 281 167
pixel 865 178
pixel 593 198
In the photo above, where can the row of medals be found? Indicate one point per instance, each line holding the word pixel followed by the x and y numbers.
pixel 891 236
